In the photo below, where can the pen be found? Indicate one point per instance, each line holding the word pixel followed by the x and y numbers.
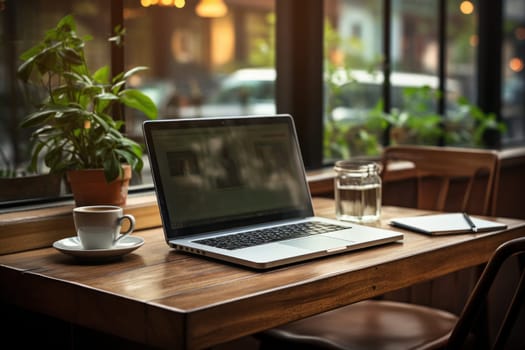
pixel 473 227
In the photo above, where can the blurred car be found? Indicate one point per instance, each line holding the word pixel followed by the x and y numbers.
pixel 246 91
pixel 357 92
pixel 350 94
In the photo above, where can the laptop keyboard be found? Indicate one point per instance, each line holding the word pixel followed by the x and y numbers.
pixel 273 234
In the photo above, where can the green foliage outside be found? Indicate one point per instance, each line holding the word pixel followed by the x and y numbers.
pixel 415 121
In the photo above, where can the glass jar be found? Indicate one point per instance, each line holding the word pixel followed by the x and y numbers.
pixel 357 190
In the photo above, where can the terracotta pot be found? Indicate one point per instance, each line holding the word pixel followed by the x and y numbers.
pixel 89 187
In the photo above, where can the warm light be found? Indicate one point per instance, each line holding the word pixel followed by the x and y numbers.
pixel 466 7
pixel 148 3
pixel 337 57
pixel 211 8
pixel 222 43
pixel 516 64
pixel 177 3
pixel 473 41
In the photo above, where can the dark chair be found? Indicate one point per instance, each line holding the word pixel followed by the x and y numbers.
pixel 391 325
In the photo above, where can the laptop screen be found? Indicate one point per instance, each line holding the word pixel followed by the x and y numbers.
pixel 217 173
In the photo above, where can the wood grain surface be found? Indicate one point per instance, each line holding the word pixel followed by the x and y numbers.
pixel 174 300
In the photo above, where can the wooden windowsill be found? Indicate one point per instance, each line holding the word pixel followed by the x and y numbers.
pixel 38 228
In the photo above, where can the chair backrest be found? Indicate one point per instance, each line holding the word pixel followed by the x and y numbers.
pixel 479 295
pixel 448 178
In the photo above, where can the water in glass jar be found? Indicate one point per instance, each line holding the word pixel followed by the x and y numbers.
pixel 358 203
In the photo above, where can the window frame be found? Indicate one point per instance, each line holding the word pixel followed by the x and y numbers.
pixel 300 80
pixel 299 66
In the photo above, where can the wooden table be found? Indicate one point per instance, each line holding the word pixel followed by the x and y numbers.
pixel 161 298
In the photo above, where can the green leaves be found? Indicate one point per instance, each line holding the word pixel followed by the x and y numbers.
pixel 133 71
pixel 118 38
pixel 139 101
pixel 71 56
pixel 73 127
pixel 102 75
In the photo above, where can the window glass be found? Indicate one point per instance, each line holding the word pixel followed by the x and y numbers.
pixel 355 119
pixel 224 65
pixel 414 81
pixel 198 66
pixel 513 72
pixel 416 116
pixel 20 32
pixel 202 66
pixel 462 43
pixel 461 67
pixel 353 78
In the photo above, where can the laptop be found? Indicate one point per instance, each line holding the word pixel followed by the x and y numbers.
pixel 235 189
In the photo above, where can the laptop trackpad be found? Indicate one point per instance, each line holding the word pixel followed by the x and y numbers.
pixel 317 243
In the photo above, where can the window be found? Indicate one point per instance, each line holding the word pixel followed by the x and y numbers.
pixel 345 69
pixel 430 90
pixel 353 41
pixel 513 71
pixel 19 33
pixel 197 65
pixel 202 66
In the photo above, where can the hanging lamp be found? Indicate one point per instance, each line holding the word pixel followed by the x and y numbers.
pixel 211 8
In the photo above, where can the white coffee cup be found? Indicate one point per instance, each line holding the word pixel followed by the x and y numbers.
pixel 99 226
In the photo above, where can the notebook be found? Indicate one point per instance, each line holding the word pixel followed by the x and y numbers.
pixel 447 223
pixel 222 183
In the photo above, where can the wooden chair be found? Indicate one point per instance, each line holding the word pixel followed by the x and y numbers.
pixel 446 179
pixel 390 325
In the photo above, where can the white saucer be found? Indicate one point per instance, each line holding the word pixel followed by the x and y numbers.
pixel 72 246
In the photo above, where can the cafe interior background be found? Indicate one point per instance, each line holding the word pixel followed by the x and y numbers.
pixel 356 75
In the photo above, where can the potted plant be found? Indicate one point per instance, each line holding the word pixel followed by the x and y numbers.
pixel 75 130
